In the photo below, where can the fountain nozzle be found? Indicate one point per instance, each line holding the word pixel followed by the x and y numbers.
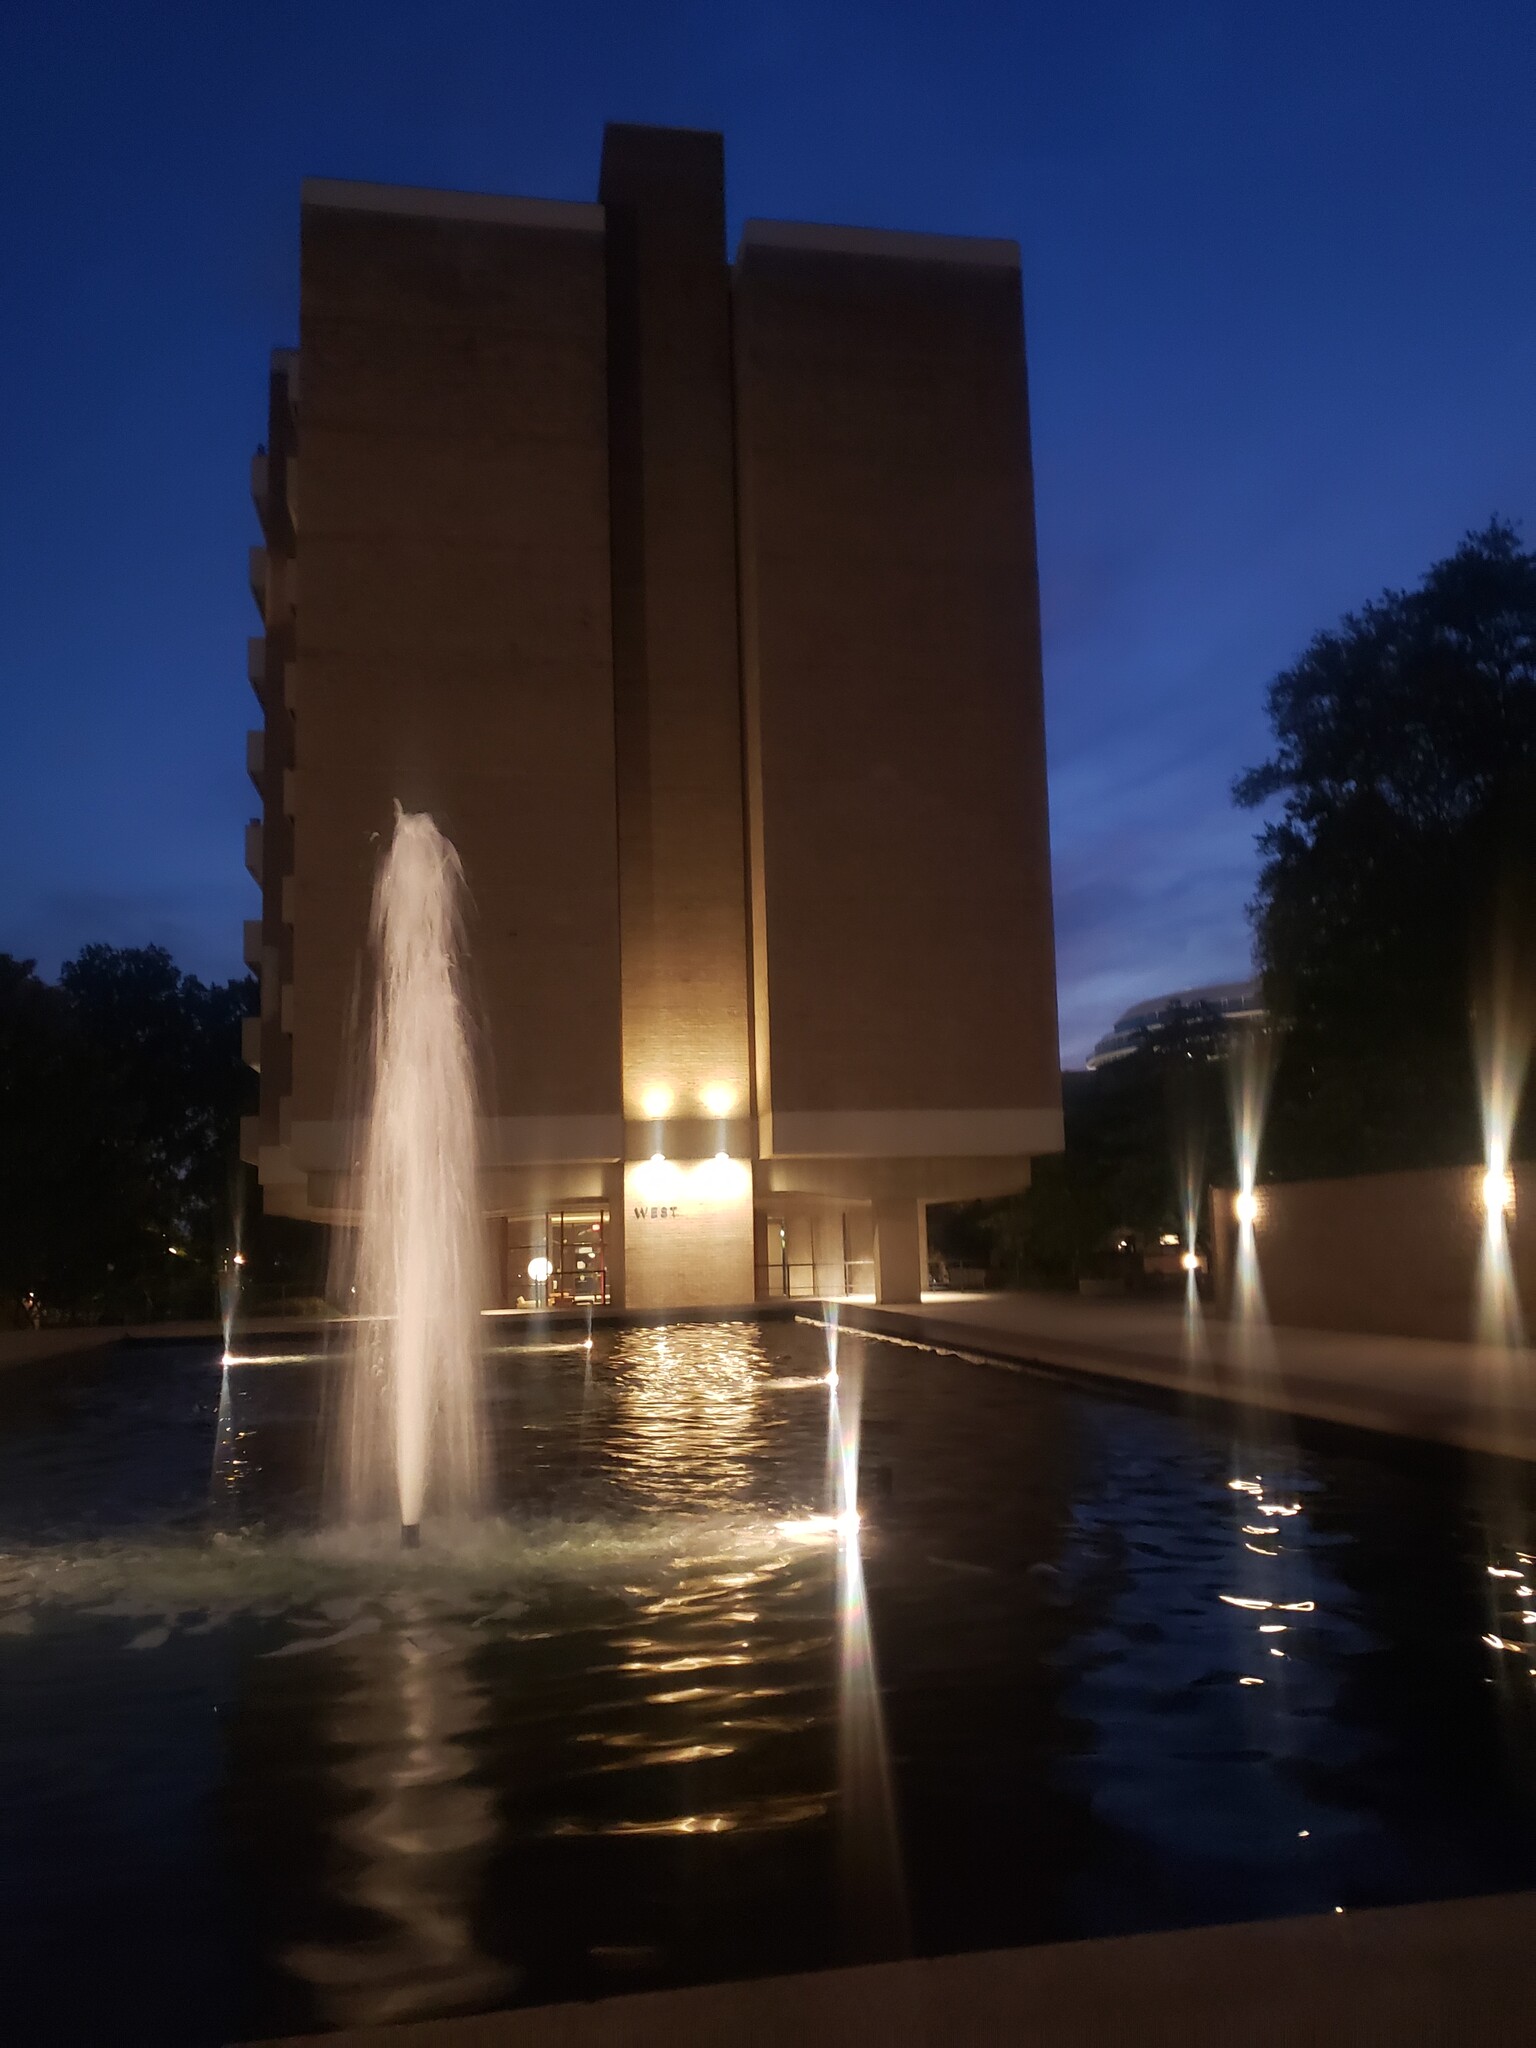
pixel 410 1535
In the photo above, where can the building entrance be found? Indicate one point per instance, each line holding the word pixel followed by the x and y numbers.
pixel 555 1261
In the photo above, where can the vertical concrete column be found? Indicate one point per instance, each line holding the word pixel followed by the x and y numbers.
pixel 677 713
pixel 496 1262
pixel 613 1233
pixel 861 1247
pixel 901 1249
pixel 827 1243
pixel 802 1252
pixel 765 1279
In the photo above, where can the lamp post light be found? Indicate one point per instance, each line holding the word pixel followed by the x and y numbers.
pixel 539 1270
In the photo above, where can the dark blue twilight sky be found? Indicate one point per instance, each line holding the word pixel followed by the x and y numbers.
pixel 1281 299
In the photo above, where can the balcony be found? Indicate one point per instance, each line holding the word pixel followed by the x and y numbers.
pixel 255 756
pixel 261 474
pixel 251 950
pixel 250 1042
pixel 259 569
pixel 250 1140
pixel 253 836
pixel 256 667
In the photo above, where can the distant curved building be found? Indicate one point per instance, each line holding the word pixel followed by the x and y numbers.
pixel 1235 1001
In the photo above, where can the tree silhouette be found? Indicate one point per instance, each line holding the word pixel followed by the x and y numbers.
pixel 1395 896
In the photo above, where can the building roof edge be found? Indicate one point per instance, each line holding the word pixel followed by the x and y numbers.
pixel 822 237
pixel 426 202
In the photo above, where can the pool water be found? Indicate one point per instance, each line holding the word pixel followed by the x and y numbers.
pixel 1089 1664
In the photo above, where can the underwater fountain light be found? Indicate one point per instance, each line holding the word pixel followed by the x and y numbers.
pixel 1498 1191
pixel 1190 1262
pixel 1245 1207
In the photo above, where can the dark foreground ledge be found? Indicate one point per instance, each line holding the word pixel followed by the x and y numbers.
pixel 1454 1973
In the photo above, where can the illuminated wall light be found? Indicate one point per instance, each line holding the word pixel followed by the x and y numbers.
pixel 1498 1191
pixel 1168 1238
pixel 719 1100
pixel 657 1103
pixel 1245 1207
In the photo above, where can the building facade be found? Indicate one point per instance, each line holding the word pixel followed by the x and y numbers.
pixel 696 600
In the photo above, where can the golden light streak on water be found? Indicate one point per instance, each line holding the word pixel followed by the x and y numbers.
pixel 415 1835
pixel 687 1399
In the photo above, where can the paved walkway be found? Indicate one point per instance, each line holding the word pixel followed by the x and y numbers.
pixel 1480 1397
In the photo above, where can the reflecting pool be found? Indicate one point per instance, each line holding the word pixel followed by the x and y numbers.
pixel 751 1672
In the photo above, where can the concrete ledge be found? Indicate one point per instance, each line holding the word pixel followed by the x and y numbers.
pixel 1477 1397
pixel 26 1347
pixel 1399 1977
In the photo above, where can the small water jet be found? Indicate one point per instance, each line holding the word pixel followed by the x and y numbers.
pixel 1250 1073
pixel 869 1846
pixel 410 1432
pixel 1502 1034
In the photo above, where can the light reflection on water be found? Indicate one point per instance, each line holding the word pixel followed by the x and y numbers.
pixel 409 1851
pixel 686 1429
pixel 672 1715
pixel 874 1906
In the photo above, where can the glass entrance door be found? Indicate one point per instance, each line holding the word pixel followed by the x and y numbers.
pixel 576 1254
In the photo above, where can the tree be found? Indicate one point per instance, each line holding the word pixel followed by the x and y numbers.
pixel 120 1097
pixel 1395 896
pixel 1145 1135
pixel 39 1160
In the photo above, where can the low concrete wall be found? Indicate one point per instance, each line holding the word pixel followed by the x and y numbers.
pixel 24 1347
pixel 1393 1253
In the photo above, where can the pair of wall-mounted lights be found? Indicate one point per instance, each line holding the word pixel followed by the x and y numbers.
pixel 658 1102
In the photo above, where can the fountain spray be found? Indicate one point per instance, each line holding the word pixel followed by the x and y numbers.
pixel 413 1427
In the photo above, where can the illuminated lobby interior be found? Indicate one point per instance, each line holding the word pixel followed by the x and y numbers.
pixel 696 600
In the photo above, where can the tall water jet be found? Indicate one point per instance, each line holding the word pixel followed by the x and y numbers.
pixel 411 1427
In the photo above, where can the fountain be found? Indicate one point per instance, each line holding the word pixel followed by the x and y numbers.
pixel 410 1435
